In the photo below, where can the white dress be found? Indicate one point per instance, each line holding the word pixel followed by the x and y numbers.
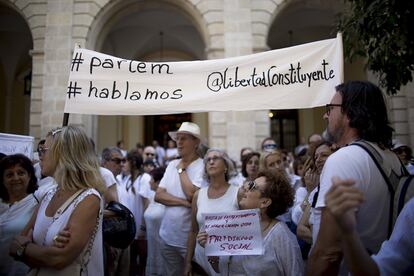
pixel 227 202
pixel 133 199
pixel 281 257
pixel 12 221
pixel 47 227
pixel 153 217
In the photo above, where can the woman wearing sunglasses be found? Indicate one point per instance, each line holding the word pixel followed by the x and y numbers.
pixel 219 196
pixel 75 204
pixel 272 194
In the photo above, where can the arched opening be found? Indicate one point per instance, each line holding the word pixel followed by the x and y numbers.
pixel 298 22
pixel 147 31
pixel 15 71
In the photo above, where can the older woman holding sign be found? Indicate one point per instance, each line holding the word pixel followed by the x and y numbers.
pixel 75 204
pixel 272 194
pixel 219 196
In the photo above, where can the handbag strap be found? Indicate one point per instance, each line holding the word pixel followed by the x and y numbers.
pixel 88 252
pixel 65 205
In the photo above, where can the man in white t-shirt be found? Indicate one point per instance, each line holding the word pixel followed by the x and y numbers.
pixel 357 111
pixel 112 162
pixel 181 179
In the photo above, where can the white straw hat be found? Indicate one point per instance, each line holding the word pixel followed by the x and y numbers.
pixel 188 128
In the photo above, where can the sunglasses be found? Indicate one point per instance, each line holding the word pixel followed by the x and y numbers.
pixel 42 151
pixel 329 107
pixel 149 154
pixel 118 160
pixel 270 146
pixel 252 186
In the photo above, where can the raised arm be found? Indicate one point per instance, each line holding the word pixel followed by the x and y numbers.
pixel 186 184
pixel 341 201
pixel 163 197
pixel 326 255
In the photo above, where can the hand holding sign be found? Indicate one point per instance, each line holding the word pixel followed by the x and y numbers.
pixel 232 233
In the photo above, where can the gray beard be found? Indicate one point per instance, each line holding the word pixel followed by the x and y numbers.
pixel 331 137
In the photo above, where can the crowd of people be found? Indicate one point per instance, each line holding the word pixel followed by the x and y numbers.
pixel 321 204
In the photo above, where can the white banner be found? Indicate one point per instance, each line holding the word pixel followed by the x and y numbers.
pixel 12 144
pixel 302 76
pixel 233 233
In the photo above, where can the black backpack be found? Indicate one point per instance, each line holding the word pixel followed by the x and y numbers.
pixel 400 184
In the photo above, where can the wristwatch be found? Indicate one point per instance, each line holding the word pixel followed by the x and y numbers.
pixel 181 170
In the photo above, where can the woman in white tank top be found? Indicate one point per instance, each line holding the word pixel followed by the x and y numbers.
pixel 218 196
pixel 75 205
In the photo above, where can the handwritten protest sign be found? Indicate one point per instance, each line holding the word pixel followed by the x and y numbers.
pixel 302 76
pixel 233 233
pixel 12 144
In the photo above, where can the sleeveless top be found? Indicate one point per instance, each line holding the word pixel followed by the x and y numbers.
pixel 227 202
pixel 46 228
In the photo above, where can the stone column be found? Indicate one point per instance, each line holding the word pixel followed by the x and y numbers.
pixel 57 56
pixel 235 130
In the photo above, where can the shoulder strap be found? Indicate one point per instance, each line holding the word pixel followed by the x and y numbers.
pixel 404 188
pixel 65 205
pixel 315 196
pixel 377 158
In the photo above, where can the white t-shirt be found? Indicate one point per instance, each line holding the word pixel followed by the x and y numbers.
pixel 177 219
pixel 396 256
pixel 107 176
pixel 353 162
pixel 170 152
pixel 121 188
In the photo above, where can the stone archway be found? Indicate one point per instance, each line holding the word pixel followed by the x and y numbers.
pixel 296 22
pixel 34 16
pixel 130 29
pixel 15 71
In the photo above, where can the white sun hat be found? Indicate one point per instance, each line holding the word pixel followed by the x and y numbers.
pixel 187 128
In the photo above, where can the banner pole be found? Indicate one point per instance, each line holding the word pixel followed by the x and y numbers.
pixel 65 119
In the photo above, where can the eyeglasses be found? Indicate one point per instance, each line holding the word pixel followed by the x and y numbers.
pixel 149 154
pixel 214 159
pixel 118 160
pixel 329 107
pixel 42 151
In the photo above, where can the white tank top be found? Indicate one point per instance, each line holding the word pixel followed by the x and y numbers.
pixel 227 202
pixel 46 228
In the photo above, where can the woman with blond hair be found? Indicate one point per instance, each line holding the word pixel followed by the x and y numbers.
pixel 271 160
pixel 74 205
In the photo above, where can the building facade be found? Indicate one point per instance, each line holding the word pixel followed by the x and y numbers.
pixel 38 36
